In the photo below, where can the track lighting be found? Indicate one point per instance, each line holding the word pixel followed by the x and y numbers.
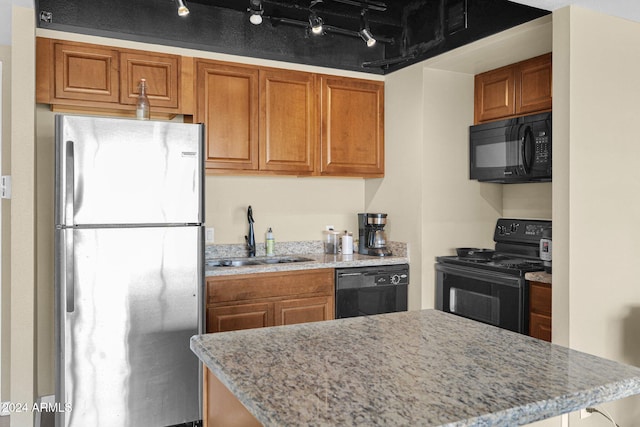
pixel 365 32
pixel 316 23
pixel 183 10
pixel 255 8
pixel 367 37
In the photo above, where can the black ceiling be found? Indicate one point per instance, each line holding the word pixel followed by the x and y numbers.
pixel 407 31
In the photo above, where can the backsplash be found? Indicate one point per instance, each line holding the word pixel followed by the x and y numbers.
pixel 285 248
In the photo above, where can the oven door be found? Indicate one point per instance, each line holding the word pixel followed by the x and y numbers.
pixel 493 298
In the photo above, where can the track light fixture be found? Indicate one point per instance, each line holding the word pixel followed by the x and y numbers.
pixel 316 23
pixel 365 32
pixel 183 10
pixel 256 11
pixel 367 37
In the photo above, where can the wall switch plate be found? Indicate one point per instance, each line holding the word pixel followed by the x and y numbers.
pixel 5 187
pixel 209 235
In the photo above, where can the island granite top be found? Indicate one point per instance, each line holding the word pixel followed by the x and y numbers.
pixel 425 368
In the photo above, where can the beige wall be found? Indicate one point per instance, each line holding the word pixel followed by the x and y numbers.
pixel 5 289
pixel 23 211
pixel 458 211
pixel 532 200
pixel 295 208
pixel 599 253
pixel 399 194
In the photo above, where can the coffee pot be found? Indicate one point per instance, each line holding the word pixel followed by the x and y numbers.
pixel 373 238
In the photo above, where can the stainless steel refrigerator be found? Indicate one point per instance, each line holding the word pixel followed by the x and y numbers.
pixel 129 271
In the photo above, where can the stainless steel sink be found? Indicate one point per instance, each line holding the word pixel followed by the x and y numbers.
pixel 241 262
pixel 285 259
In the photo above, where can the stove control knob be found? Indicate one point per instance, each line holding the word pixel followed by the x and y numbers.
pixel 502 229
pixel 514 227
pixel 395 279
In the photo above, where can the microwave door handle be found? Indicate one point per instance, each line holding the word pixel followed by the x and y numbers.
pixel 527 147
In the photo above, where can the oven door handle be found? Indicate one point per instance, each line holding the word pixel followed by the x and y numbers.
pixel 484 275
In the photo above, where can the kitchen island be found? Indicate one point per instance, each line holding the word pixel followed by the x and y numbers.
pixel 425 368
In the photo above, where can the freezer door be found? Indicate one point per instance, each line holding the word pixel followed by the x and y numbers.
pixel 121 171
pixel 127 303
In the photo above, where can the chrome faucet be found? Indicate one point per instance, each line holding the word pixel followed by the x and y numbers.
pixel 251 239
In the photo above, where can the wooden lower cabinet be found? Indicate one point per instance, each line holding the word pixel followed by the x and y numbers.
pixel 237 317
pixel 254 301
pixel 540 310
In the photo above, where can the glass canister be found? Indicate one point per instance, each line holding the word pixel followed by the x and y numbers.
pixel 331 242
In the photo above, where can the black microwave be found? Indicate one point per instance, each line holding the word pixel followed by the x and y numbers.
pixel 511 151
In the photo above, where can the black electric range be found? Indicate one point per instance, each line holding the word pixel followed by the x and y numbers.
pixel 493 290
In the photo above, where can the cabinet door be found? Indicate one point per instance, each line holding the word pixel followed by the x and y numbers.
pixel 237 317
pixel 303 310
pixel 161 72
pixel 352 121
pixel 288 117
pixel 540 327
pixel 540 310
pixel 228 105
pixel 494 94
pixel 533 82
pixel 85 72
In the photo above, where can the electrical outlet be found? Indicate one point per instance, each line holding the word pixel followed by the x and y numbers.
pixel 208 235
pixel 328 227
pixel 584 413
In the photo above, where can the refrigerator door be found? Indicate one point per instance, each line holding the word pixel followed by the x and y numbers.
pixel 127 303
pixel 122 171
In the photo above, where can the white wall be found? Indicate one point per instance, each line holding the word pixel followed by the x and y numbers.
pixel 599 253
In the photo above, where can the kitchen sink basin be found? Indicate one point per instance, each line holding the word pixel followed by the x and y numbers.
pixel 285 260
pixel 241 262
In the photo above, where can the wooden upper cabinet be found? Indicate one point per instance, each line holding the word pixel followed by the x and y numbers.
pixel 495 94
pixel 82 77
pixel 288 118
pixel 83 72
pixel 352 121
pixel 228 104
pixel 161 73
pixel 533 85
pixel 517 89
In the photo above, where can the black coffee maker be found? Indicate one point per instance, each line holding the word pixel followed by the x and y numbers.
pixel 372 237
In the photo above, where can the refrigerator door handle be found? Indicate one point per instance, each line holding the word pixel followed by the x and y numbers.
pixel 69 184
pixel 67 274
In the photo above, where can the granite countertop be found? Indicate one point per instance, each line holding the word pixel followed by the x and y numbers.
pixel 539 276
pixel 425 368
pixel 311 250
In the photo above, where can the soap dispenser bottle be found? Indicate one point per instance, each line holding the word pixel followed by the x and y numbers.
pixel 270 242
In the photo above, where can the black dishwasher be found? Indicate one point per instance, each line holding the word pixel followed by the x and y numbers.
pixel 362 291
